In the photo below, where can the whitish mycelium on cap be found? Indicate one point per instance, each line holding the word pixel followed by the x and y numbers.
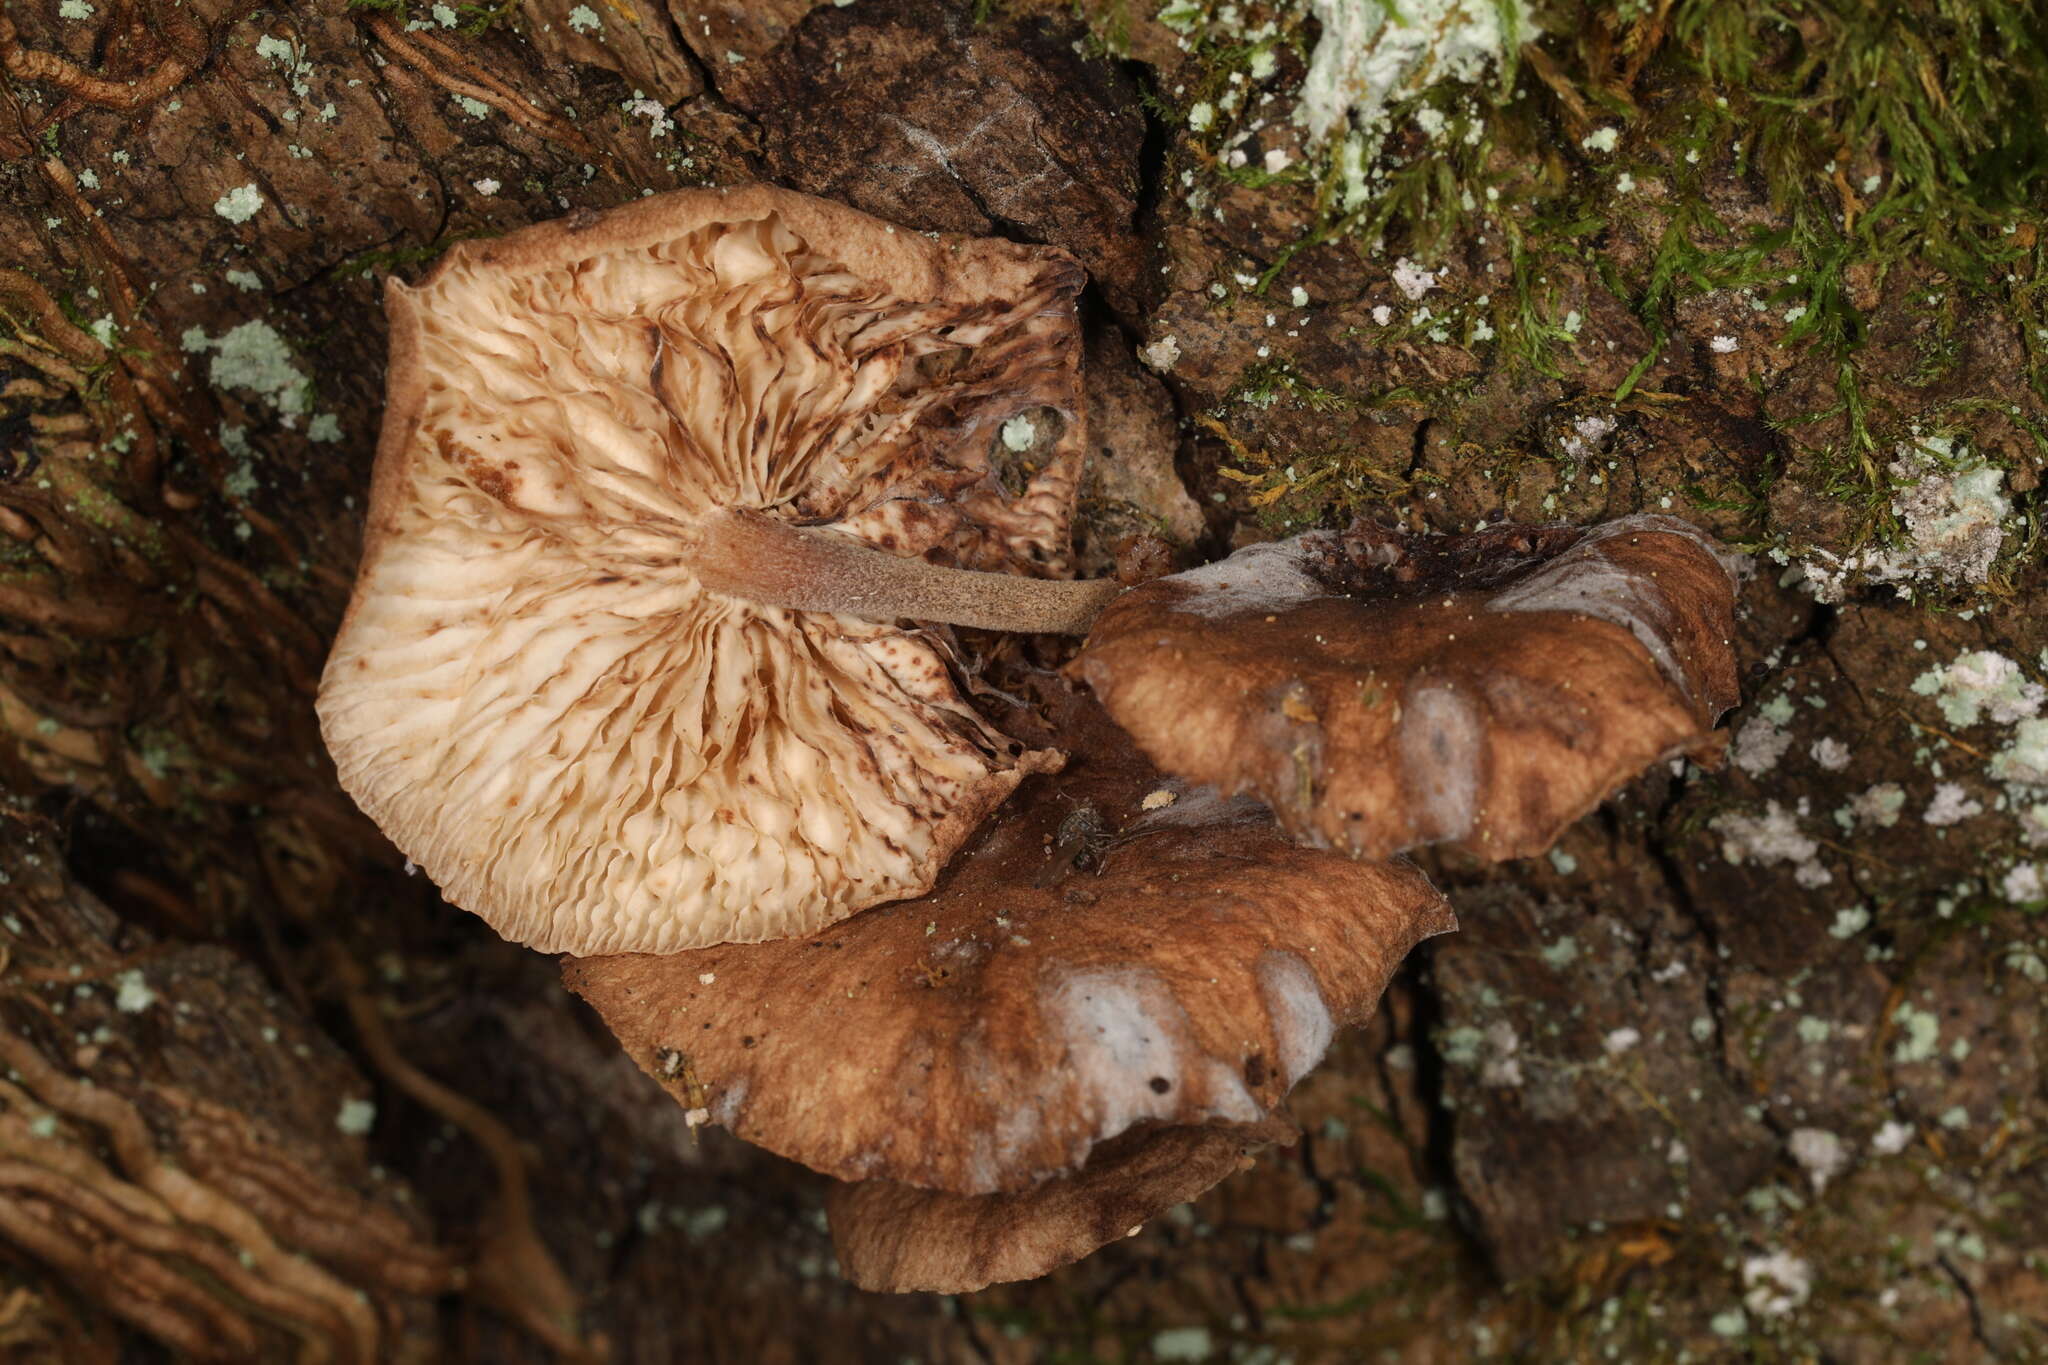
pixel 1112 950
pixel 898 1238
pixel 1381 690
pixel 604 676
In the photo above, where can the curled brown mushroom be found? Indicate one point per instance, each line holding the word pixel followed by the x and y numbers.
pixel 1115 953
pixel 1382 691
pixel 895 1238
pixel 621 670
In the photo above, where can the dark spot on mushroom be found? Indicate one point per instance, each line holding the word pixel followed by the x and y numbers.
pixel 1255 1070
pixel 1160 1085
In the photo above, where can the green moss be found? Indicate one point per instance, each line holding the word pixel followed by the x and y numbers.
pixel 1896 145
pixel 393 259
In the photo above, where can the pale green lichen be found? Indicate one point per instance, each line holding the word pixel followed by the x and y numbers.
pixel 1952 513
pixel 1183 1343
pixel 254 357
pixel 1981 685
pixel 1921 1034
pixel 2024 759
pixel 1371 54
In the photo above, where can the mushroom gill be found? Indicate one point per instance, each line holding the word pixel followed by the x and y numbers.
pixel 622 670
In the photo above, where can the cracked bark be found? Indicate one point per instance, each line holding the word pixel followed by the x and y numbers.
pixel 177 534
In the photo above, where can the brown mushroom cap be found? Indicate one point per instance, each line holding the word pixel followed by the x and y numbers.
pixel 1382 691
pixel 1098 958
pixel 897 1238
pixel 619 449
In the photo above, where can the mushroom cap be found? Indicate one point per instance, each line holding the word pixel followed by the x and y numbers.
pixel 1382 691
pixel 897 1238
pixel 1037 1002
pixel 534 694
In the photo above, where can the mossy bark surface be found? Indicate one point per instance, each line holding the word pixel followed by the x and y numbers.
pixel 1751 1066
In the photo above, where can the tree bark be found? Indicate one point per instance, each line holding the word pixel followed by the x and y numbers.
pixel 1752 1061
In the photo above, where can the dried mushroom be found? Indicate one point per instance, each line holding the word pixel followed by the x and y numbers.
pixel 1381 690
pixel 1171 961
pixel 895 1238
pixel 622 670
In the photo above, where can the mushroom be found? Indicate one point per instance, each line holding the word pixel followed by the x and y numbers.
pixel 895 1238
pixel 623 669
pixel 1113 951
pixel 1382 690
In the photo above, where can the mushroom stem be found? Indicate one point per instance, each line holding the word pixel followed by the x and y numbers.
pixel 745 554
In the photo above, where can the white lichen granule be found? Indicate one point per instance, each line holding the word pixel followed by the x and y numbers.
pixel 1878 804
pixel 1018 434
pixel 1601 139
pixel 1769 838
pixel 356 1117
pixel 1850 922
pixel 1411 279
pixel 1951 805
pixel 1162 354
pixel 1371 53
pixel 1830 753
pixel 133 995
pixel 239 204
pixel 2022 884
pixel 1819 1153
pixel 1775 1283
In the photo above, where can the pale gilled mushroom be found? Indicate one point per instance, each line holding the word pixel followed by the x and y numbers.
pixel 640 472
pixel 1382 691
pixel 1113 954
